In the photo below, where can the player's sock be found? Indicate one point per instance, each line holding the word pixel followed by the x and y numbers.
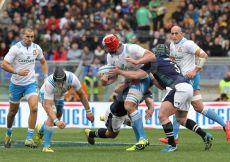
pixel 9 132
pixel 41 131
pixel 48 132
pixel 209 113
pixel 30 133
pixel 136 133
pixel 168 129
pixel 176 127
pixel 137 125
pixel 100 133
pixel 190 124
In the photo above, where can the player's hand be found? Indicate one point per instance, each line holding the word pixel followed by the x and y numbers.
pixel 131 60
pixel 90 116
pixel 104 79
pixel 60 124
pixel 190 74
pixel 115 71
pixel 23 72
pixel 148 113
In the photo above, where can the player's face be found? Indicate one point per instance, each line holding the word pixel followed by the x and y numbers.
pixel 28 37
pixel 176 35
pixel 60 84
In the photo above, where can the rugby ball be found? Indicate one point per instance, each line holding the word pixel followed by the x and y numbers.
pixel 105 69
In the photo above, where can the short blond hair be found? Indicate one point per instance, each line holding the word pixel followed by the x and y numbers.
pixel 27 29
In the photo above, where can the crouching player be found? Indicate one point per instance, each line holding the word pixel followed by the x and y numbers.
pixel 52 98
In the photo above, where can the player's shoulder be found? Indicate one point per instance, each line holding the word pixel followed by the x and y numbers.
pixel 34 45
pixel 70 77
pixel 17 45
pixel 50 81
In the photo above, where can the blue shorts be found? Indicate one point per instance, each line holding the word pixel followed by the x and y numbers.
pixel 196 82
pixel 18 91
pixel 59 104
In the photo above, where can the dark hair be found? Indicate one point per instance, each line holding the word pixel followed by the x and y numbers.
pixel 59 75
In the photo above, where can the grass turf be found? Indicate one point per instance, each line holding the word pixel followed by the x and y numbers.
pixel 70 146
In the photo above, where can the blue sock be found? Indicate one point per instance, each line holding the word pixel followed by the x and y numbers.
pixel 30 133
pixel 48 132
pixel 137 125
pixel 136 133
pixel 9 132
pixel 209 113
pixel 176 127
pixel 41 131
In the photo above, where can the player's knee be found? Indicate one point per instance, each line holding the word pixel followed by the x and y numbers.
pixel 12 113
pixel 162 117
pixel 34 109
pixel 129 107
pixel 198 106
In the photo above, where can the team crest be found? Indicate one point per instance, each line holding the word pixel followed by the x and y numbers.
pixel 34 52
pixel 180 49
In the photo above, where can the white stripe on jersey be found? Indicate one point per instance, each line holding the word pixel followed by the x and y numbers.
pixel 184 52
pixel 21 57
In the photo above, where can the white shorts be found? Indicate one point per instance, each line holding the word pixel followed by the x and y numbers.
pixel 114 122
pixel 181 96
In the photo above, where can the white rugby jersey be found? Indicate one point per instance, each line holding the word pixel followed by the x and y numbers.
pixel 51 90
pixel 22 57
pixel 133 50
pixel 184 53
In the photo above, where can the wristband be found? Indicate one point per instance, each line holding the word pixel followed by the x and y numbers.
pixel 200 62
pixel 56 121
pixel 88 111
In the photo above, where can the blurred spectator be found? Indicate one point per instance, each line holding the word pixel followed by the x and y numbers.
pixel 143 17
pixel 224 84
pixel 99 56
pixel 60 54
pixel 158 12
pixel 74 53
pixel 3 49
pixel 87 56
pixel 92 84
pixel 223 97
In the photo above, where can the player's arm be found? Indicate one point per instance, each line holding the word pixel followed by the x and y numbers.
pixel 44 67
pixel 147 57
pixel 202 57
pixel 150 105
pixel 48 106
pixel 106 80
pixel 9 68
pixel 129 74
pixel 85 103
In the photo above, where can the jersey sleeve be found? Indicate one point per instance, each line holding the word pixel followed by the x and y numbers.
pixel 10 56
pixel 75 83
pixel 135 51
pixel 40 53
pixel 191 47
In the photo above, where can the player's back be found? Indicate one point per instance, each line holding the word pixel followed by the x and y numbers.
pixel 168 73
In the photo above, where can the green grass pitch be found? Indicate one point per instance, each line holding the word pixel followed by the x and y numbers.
pixel 70 146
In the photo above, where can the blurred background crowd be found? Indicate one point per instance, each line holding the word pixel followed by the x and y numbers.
pixel 73 29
